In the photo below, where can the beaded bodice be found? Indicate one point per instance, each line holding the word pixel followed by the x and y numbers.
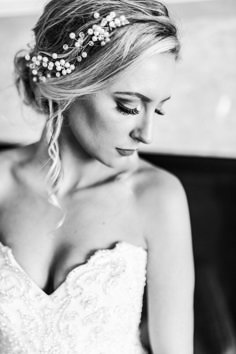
pixel 96 310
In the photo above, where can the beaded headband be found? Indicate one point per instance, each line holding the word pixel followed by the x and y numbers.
pixel 44 66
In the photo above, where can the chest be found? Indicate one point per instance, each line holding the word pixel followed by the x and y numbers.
pixel 90 302
pixel 92 219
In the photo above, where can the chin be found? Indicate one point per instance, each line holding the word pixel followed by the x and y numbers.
pixel 104 159
pixel 111 159
pixel 114 162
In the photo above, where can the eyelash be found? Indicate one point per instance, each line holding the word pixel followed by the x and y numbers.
pixel 125 110
pixel 159 112
pixel 133 111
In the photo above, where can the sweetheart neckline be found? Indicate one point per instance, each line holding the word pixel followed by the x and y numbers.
pixel 75 269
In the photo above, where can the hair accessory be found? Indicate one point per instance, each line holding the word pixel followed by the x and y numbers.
pixel 44 65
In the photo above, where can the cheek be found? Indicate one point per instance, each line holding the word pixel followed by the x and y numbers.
pixel 81 117
pixel 88 125
pixel 93 116
pixel 95 122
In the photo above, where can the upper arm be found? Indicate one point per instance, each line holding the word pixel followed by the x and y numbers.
pixel 170 273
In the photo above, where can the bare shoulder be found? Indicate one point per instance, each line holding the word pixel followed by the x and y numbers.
pixel 160 195
pixel 163 207
pixel 152 177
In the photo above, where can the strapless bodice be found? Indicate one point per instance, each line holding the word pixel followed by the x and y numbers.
pixel 96 310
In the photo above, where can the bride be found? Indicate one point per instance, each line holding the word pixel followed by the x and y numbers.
pixel 85 222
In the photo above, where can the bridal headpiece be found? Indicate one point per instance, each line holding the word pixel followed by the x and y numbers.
pixel 45 65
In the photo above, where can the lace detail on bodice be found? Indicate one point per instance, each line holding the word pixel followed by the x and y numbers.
pixel 96 310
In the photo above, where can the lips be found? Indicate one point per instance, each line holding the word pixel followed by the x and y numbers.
pixel 126 152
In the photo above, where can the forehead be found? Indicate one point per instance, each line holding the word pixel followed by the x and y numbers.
pixel 152 77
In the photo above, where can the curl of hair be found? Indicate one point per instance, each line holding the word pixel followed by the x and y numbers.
pixel 150 31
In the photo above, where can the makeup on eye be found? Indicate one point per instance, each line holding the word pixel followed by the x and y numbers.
pixel 126 110
pixel 159 112
pixel 123 109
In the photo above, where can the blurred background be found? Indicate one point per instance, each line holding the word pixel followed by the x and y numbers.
pixel 200 116
pixel 196 140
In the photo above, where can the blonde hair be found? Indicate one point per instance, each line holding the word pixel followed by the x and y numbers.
pixel 150 31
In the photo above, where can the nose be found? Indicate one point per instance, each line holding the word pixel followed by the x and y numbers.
pixel 143 131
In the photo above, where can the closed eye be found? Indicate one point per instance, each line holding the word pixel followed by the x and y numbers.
pixel 125 110
pixel 134 111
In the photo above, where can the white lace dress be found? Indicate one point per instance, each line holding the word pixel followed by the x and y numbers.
pixel 96 310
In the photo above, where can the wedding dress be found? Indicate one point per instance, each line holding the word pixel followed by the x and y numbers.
pixel 96 310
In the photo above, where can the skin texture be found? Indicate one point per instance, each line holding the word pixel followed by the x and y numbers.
pixel 107 198
pixel 99 136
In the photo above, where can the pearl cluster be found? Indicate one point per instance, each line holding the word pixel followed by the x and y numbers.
pixel 96 34
pixel 47 66
pixel 52 67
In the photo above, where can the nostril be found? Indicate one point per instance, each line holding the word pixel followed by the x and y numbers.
pixel 139 136
pixel 145 140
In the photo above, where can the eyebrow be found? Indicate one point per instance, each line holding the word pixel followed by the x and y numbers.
pixel 139 95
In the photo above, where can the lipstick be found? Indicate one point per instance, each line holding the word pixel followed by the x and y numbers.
pixel 126 152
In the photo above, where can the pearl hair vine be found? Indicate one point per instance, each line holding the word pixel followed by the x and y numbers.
pixel 44 65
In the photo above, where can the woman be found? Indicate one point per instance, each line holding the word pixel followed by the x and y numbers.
pixel 84 220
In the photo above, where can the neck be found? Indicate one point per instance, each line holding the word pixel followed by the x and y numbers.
pixel 80 170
